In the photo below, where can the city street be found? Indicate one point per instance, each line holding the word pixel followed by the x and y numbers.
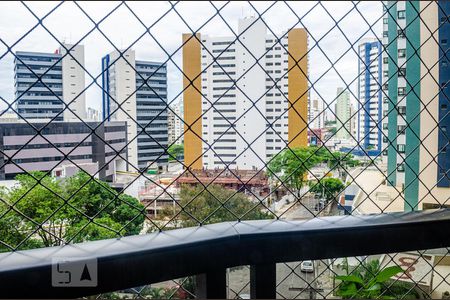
pixel 291 281
pixel 304 210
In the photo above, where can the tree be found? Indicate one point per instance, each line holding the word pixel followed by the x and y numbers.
pixel 292 165
pixel 45 211
pixel 369 281
pixel 339 160
pixel 215 204
pixel 329 188
pixel 175 152
pixel 149 292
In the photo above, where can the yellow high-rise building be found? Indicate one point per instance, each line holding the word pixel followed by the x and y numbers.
pixel 253 100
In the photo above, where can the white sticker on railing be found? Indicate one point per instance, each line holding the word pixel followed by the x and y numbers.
pixel 74 272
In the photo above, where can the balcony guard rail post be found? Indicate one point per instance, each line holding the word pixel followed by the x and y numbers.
pixel 211 285
pixel 263 283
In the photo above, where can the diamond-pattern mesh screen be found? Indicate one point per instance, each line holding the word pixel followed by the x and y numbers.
pixel 162 115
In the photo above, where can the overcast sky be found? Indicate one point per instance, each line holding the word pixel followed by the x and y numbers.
pixel 70 24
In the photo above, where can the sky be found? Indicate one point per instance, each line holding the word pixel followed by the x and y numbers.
pixel 119 28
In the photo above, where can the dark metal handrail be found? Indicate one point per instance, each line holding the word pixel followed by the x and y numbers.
pixel 138 260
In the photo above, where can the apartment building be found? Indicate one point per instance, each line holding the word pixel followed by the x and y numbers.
pixel 316 114
pixel 45 83
pixel 136 92
pixel 246 100
pixel 343 114
pixel 175 124
pixel 416 106
pixel 369 132
pixel 93 114
pixel 62 144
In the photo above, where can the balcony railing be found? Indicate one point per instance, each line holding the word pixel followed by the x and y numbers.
pixel 208 250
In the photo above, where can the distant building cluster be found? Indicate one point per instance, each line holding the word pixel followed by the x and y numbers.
pixel 245 101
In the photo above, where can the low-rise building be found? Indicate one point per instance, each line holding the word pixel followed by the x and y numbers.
pixel 50 146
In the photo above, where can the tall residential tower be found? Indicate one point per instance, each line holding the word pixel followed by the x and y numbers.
pixel 416 100
pixel 369 130
pixel 246 100
pixel 343 114
pixel 46 82
pixel 136 92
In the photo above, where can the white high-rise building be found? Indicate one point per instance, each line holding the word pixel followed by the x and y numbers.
pixel 140 88
pixel 119 80
pixel 73 80
pixel 93 114
pixel 316 114
pixel 235 130
pixel 175 124
pixel 343 114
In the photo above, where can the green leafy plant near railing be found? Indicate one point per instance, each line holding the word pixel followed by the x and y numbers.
pixel 370 281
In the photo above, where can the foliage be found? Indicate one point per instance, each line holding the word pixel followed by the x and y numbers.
pixel 329 188
pixel 332 130
pixel 187 288
pixel 330 123
pixel 369 281
pixel 214 205
pixel 75 209
pixel 175 152
pixel 339 160
pixel 149 292
pixel 292 165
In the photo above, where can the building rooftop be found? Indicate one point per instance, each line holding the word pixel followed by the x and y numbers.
pixel 373 195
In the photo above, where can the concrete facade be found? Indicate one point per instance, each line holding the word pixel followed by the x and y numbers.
pixel 241 89
pixel 62 83
pixel 62 143
pixel 136 92
pixel 369 93
pixel 416 102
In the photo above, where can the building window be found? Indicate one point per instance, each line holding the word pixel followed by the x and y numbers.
pixel 401 148
pixel 401 14
pixel 401 91
pixel 402 72
pixel 401 110
pixel 385 60
pixel 385 33
pixel 401 129
pixel 400 167
pixel 401 33
pixel 401 53
pixel 385 20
